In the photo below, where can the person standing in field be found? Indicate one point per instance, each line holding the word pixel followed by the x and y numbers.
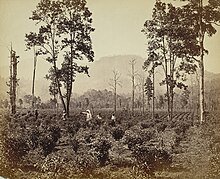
pixel 113 120
pixel 88 115
pixel 64 115
pixel 99 116
pixel 113 117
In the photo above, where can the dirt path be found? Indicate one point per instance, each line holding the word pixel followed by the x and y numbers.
pixel 198 156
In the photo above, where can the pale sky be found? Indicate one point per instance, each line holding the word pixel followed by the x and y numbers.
pixel 117 23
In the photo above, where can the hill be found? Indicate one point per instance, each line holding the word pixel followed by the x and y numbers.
pixel 101 71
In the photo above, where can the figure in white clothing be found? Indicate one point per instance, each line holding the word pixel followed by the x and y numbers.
pixel 99 116
pixel 113 117
pixel 64 115
pixel 88 115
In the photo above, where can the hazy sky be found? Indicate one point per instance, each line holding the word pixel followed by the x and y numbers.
pixel 118 25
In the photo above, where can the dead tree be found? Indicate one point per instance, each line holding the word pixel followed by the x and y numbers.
pixel 141 84
pixel 33 81
pixel 114 83
pixel 132 75
pixel 13 81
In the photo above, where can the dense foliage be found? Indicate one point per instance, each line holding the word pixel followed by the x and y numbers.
pixel 76 147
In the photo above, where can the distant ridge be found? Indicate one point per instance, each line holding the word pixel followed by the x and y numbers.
pixel 100 74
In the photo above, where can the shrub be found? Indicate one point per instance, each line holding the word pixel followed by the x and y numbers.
pixel 85 162
pixel 47 144
pixel 118 133
pixel 147 134
pixel 147 124
pixel 73 128
pixel 102 148
pixel 161 127
pixel 151 159
pixel 133 141
pixel 88 138
pixel 112 123
pixel 75 144
pixel 48 140
pixel 55 133
pixel 181 127
pixel 34 138
pixel 15 147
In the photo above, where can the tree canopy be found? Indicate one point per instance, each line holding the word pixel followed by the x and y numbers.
pixel 64 35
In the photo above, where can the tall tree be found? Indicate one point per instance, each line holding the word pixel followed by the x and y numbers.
pixel 173 44
pixel 151 64
pixel 34 75
pixel 149 90
pixel 53 89
pixel 46 15
pixel 76 27
pixel 202 19
pixel 114 83
pixel 65 25
pixel 133 73
pixel 13 80
pixel 141 84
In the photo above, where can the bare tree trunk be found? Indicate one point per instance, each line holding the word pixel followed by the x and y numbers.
pixel 13 80
pixel 143 96
pixel 115 96
pixel 67 104
pixel 153 95
pixel 201 65
pixel 68 87
pixel 168 91
pixel 56 73
pixel 115 82
pixel 192 93
pixel 172 65
pixel 167 85
pixel 132 104
pixel 33 81
pixel 171 102
pixel 14 84
pixel 132 63
pixel 141 92
pixel 58 86
pixel 70 82
pixel 56 105
pixel 202 91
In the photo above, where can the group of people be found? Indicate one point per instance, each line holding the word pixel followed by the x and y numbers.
pixel 89 115
pixel 98 116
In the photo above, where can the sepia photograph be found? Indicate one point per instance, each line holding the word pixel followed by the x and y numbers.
pixel 109 89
